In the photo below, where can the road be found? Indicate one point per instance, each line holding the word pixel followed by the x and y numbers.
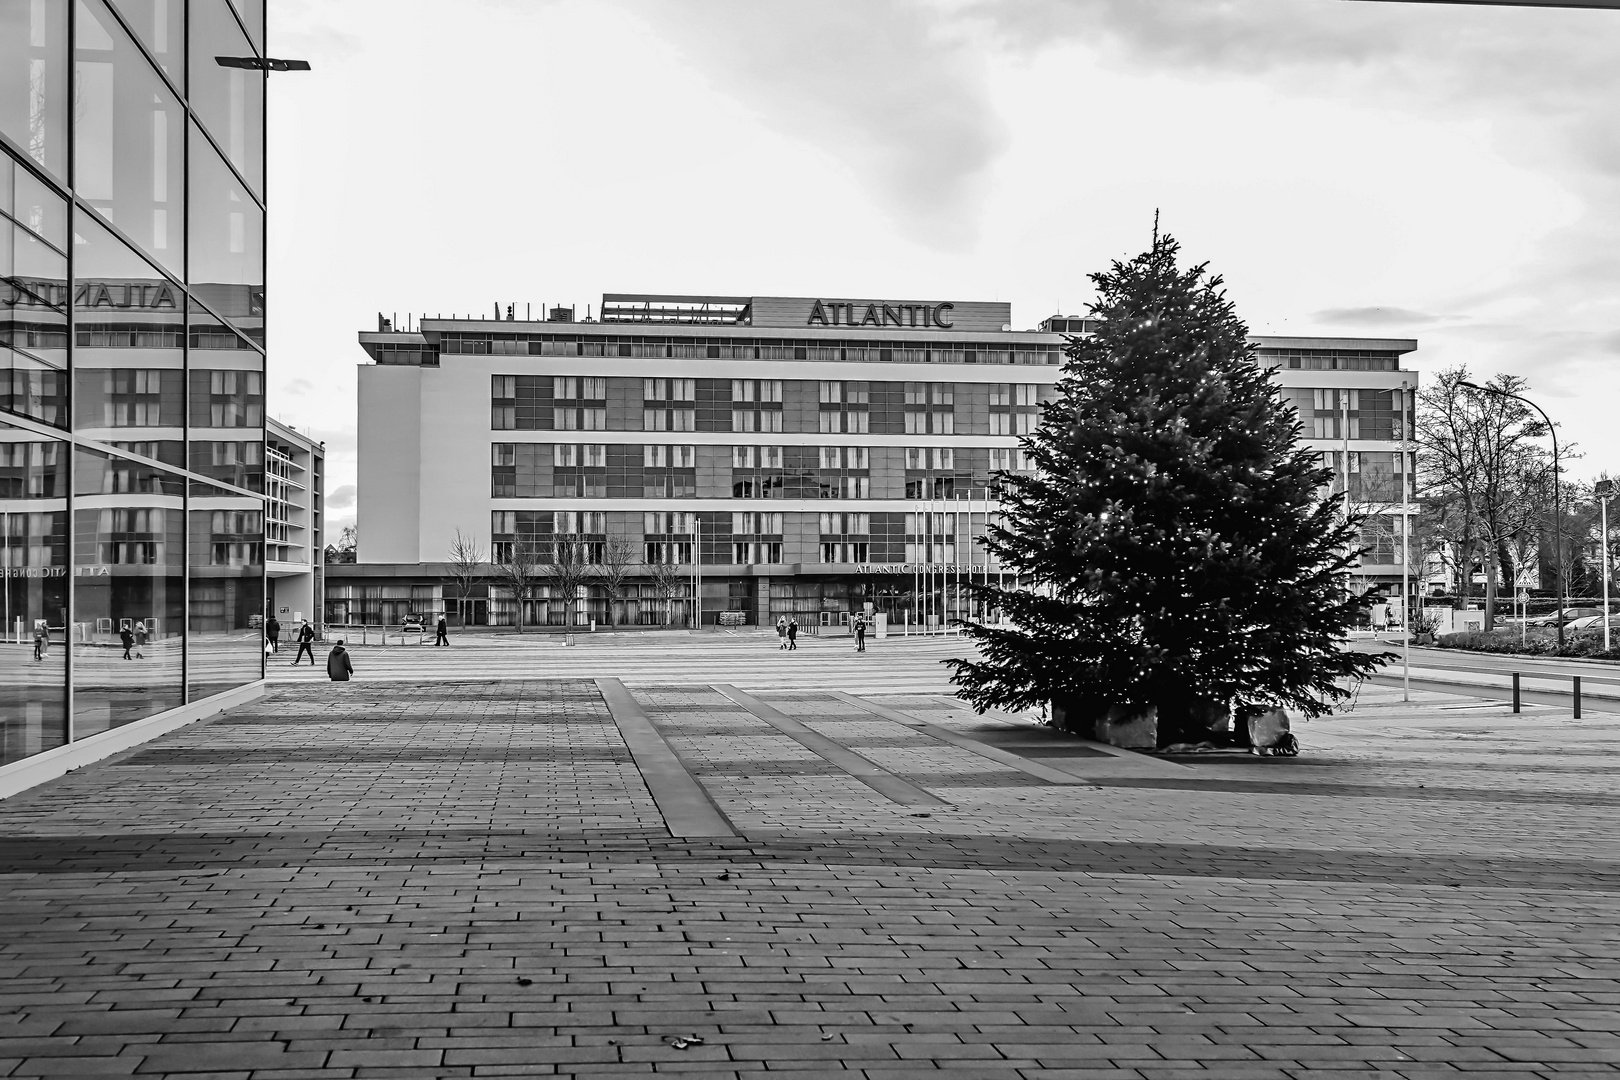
pixel 1546 681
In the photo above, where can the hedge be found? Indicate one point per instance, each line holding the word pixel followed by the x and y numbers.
pixel 1589 647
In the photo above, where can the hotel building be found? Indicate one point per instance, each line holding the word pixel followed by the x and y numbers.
pixel 132 370
pixel 815 456
pixel 294 526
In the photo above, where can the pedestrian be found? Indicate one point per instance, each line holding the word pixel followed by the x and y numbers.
pixel 41 643
pixel 860 634
pixel 127 638
pixel 140 640
pixel 272 630
pixel 306 644
pixel 781 631
pixel 793 634
pixel 338 665
pixel 443 637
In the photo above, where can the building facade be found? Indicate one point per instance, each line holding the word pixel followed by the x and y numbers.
pixel 294 524
pixel 132 362
pixel 809 457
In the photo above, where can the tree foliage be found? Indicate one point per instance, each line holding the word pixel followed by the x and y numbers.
pixel 1172 547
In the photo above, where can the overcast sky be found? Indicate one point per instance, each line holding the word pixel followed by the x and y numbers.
pixel 1441 172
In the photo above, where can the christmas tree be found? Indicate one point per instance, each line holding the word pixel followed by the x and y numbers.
pixel 1173 548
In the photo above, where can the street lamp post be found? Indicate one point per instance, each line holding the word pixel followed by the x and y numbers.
pixel 1558 514
pixel 1604 490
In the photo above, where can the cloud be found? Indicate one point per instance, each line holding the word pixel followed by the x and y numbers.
pixel 342 498
pixel 297 387
pixel 885 86
pixel 1374 316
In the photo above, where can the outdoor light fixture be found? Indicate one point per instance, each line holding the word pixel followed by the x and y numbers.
pixel 261 63
pixel 1558 516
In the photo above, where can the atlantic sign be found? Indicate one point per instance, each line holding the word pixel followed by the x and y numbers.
pixel 889 318
pixel 850 313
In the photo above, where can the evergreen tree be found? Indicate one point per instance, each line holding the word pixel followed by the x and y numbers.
pixel 1172 547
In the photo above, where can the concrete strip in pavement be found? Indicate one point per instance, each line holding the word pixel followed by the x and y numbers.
pixel 1113 760
pixel 880 780
pixel 688 811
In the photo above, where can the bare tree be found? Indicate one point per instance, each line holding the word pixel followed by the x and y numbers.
pixel 569 568
pixel 669 580
pixel 519 570
pixel 1482 461
pixel 467 566
pixel 619 554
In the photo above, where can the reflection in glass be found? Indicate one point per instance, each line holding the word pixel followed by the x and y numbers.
pixel 161 26
pixel 252 13
pixel 31 204
pixel 229 101
pixel 34 572
pixel 129 591
pixel 129 156
pixel 33 298
pixel 224 637
pixel 227 240
pixel 129 376
pixel 33 81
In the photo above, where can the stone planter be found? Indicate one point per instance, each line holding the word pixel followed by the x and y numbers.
pixel 1269 728
pixel 1130 727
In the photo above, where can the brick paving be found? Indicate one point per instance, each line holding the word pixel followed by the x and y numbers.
pixel 476 880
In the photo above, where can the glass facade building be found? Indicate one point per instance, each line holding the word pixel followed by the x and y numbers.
pixel 132 361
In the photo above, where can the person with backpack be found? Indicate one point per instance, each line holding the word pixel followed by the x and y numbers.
pixel 338 665
pixel 306 644
pixel 272 631
pixel 781 631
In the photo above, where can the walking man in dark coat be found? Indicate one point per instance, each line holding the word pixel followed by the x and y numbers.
pixel 793 634
pixel 272 630
pixel 443 637
pixel 306 644
pixel 338 665
pixel 128 639
pixel 860 633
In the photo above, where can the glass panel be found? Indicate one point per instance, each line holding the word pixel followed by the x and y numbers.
pixel 34 565
pixel 31 204
pixel 128 591
pixel 227 242
pixel 33 81
pixel 129 364
pixel 224 641
pixel 252 12
pixel 226 406
pixel 229 101
pixel 129 159
pixel 161 26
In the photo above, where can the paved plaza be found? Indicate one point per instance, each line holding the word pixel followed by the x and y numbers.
pixel 701 855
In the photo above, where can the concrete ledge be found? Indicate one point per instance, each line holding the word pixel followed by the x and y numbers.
pixel 688 811
pixel 32 771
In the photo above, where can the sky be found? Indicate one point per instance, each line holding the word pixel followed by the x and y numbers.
pixel 1350 167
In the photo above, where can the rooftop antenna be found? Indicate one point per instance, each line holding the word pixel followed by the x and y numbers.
pixel 528 312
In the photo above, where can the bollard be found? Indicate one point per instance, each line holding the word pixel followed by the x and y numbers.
pixel 1515 691
pixel 1577 697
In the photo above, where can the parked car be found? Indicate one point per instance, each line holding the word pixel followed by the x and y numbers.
pixel 1567 616
pixel 1595 622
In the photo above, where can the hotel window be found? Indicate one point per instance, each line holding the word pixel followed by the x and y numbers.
pixel 1000 394
pixel 931 538
pixel 756 420
pixel 1026 422
pixel 761 390
pixel 1027 394
pixel 756 538
pixel 1001 423
pixel 1001 459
